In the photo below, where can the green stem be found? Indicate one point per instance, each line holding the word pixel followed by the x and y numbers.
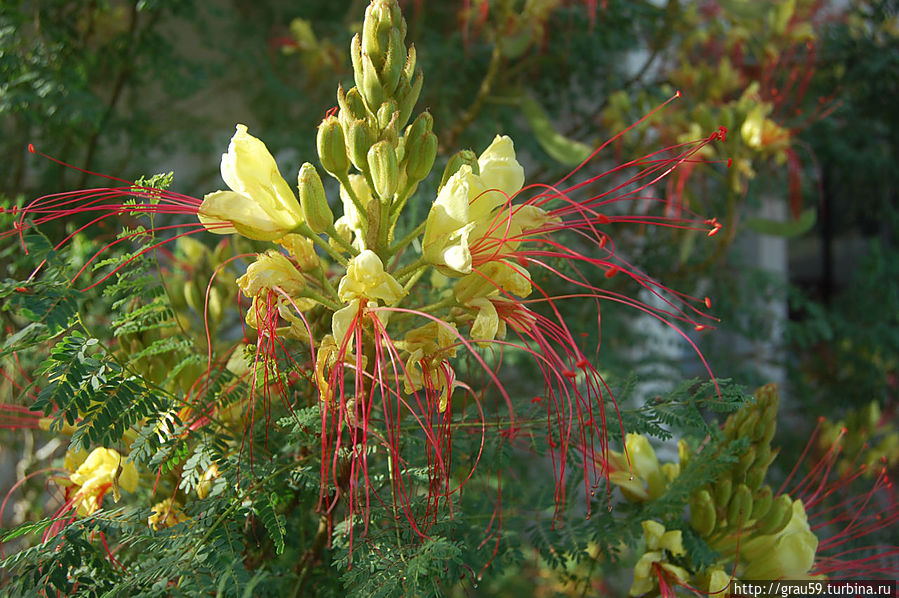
pixel 405 271
pixel 304 230
pixel 310 294
pixel 348 247
pixel 408 238
pixel 345 181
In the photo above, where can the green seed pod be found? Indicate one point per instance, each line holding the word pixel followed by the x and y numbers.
pixel 332 147
pixel 762 502
pixel 361 136
pixel 455 163
pixel 384 170
pixel 313 201
pixel 740 507
pixel 723 489
pixel 702 513
pixel 778 516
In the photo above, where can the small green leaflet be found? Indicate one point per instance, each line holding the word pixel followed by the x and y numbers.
pixel 561 149
pixel 788 229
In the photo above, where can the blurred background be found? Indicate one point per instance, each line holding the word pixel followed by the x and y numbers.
pixel 802 275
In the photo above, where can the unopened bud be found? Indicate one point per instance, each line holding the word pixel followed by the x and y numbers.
pixel 352 106
pixel 385 114
pixel 372 90
pixel 702 513
pixel 315 206
pixel 393 63
pixel 722 490
pixel 406 95
pixel 762 501
pixel 420 148
pixel 743 463
pixel 778 515
pixel 332 147
pixel 740 507
pixel 748 425
pixel 360 137
pixel 384 170
pixel 455 163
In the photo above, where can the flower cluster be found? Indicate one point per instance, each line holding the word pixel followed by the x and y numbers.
pixel 371 312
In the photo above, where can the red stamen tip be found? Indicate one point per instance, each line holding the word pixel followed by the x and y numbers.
pixel 21 290
pixel 569 374
pixel 730 162
pixel 31 148
pixel 700 327
pixel 677 93
pixel 581 364
pixel 708 303
pixel 611 272
pixel 537 400
pixel 603 219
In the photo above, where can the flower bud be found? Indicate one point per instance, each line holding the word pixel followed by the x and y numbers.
pixel 393 62
pixel 455 163
pixel 352 106
pixel 740 507
pixel 371 88
pixel 360 137
pixel 315 206
pixel 762 502
pixel 778 516
pixel 385 114
pixel 332 147
pixel 743 463
pixel 702 513
pixel 406 95
pixel 722 491
pixel 420 148
pixel 384 170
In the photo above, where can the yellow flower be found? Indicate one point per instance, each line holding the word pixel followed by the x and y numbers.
pixel 260 204
pixel 642 478
pixel 206 480
pixel 429 347
pixel 657 542
pixel 788 554
pixel 271 269
pixel 95 475
pixel 466 201
pixel 166 514
pixel 365 277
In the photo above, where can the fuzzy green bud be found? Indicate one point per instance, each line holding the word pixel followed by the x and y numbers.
pixel 384 170
pixel 313 201
pixel 702 513
pixel 361 135
pixel 778 516
pixel 332 147
pixel 740 507
pixel 455 163
pixel 762 502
